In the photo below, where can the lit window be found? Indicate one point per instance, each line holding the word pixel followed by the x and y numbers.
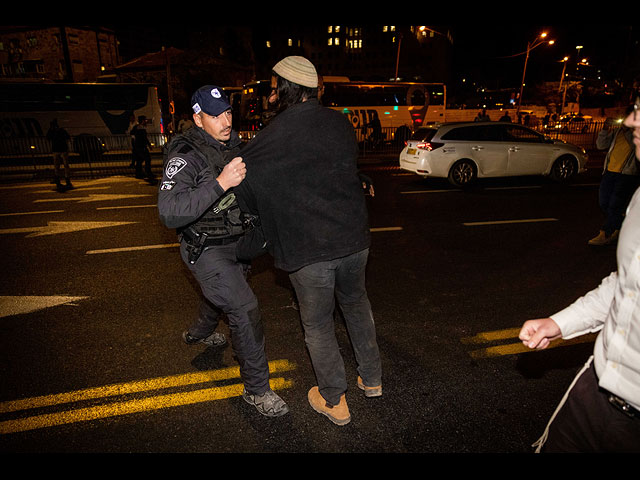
pixel 268 43
pixel 290 42
pixel 330 29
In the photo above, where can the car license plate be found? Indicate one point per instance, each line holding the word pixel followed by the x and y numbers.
pixel 411 151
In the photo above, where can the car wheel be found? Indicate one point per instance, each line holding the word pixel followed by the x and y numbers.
pixel 564 168
pixel 462 173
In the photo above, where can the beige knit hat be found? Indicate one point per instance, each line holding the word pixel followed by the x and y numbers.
pixel 297 70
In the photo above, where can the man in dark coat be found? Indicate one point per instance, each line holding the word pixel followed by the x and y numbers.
pixel 302 182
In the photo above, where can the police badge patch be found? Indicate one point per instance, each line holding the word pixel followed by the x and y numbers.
pixel 174 166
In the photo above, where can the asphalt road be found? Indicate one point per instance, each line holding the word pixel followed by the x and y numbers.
pixel 94 298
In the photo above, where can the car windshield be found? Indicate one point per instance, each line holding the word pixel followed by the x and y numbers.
pixel 423 134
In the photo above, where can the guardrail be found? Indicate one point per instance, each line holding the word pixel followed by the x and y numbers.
pixel 94 156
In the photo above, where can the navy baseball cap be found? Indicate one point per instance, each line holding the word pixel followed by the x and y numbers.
pixel 211 100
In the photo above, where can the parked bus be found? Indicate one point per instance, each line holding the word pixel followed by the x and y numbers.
pixel 253 112
pixel 400 107
pixel 101 109
pixel 100 113
pixel 395 104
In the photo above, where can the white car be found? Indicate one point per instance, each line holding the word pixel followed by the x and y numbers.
pixel 463 152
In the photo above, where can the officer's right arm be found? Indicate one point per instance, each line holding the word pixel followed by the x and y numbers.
pixel 187 190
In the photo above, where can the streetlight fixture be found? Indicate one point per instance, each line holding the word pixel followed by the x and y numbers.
pixel 530 46
pixel 564 61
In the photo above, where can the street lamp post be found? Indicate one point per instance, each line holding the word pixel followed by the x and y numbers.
pixel 530 46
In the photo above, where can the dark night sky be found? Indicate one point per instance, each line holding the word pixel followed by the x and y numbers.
pixel 484 52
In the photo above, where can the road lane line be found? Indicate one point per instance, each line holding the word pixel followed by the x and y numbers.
pixel 21 304
pixel 131 407
pixel 55 228
pixel 275 366
pixel 43 212
pixel 514 188
pixel 386 229
pixel 504 222
pixel 514 348
pixel 116 408
pixel 429 191
pixel 127 206
pixel 484 337
pixel 174 245
pixel 132 249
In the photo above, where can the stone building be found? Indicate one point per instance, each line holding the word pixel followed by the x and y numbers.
pixel 66 54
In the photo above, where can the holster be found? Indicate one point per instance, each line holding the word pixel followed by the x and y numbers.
pixel 197 242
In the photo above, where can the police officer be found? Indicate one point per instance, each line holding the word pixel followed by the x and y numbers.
pixel 196 198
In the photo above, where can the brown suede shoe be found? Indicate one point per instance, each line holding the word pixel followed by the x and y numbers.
pixel 338 414
pixel 370 391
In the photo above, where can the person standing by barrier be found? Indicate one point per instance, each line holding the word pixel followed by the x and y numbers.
pixel 59 139
pixel 620 178
pixel 140 150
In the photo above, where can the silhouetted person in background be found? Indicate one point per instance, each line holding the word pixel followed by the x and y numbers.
pixel 59 139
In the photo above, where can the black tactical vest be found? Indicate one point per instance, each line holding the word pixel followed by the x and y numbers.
pixel 223 218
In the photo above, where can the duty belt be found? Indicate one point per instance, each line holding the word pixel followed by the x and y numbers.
pixel 198 242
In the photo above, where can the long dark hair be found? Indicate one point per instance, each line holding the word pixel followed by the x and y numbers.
pixel 290 93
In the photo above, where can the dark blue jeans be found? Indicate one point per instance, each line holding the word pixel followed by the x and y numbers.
pixel 616 191
pixel 317 287
pixel 223 282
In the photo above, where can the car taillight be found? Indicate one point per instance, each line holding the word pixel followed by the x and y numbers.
pixel 429 146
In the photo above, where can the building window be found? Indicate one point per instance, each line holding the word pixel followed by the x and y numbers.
pixel 268 43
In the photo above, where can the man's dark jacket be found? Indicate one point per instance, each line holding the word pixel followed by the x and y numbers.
pixel 302 181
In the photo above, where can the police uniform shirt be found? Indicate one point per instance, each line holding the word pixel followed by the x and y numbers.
pixel 189 186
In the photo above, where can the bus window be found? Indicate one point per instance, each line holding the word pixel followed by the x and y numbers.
pixel 418 98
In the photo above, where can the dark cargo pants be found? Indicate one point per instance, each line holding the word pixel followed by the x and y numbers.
pixel 224 284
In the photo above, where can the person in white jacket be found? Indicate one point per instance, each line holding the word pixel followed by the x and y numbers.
pixel 601 410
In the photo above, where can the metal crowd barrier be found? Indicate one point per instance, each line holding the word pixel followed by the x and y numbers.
pixel 93 156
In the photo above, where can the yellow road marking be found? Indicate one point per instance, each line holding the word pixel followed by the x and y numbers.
pixel 514 348
pixel 504 222
pixel 385 229
pixel 132 249
pixel 173 245
pixel 42 212
pixel 117 408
